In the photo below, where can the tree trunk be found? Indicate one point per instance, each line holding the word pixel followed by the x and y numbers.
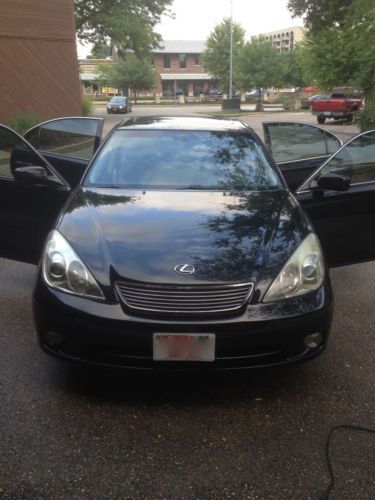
pixel 259 105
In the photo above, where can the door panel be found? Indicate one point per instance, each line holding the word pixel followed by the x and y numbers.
pixel 299 149
pixel 345 221
pixel 27 212
pixel 71 169
pixel 68 144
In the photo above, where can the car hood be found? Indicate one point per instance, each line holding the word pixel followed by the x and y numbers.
pixel 143 236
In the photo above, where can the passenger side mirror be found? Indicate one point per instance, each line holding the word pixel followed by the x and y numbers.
pixel 334 182
pixel 34 174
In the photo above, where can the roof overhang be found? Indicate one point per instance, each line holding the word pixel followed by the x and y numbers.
pixel 88 76
pixel 185 76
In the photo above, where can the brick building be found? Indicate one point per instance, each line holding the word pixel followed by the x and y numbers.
pixel 38 59
pixel 179 67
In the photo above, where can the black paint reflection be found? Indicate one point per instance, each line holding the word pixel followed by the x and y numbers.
pixel 97 198
pixel 253 237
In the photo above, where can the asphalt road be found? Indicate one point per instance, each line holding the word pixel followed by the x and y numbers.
pixel 342 129
pixel 92 434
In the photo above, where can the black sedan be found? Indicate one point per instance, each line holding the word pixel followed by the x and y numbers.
pixel 182 245
pixel 119 104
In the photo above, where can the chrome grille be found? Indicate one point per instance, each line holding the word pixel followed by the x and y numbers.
pixel 184 299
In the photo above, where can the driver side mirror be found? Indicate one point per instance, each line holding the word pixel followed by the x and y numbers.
pixel 34 174
pixel 334 182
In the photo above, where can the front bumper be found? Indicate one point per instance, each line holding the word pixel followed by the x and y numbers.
pixel 332 114
pixel 117 110
pixel 98 333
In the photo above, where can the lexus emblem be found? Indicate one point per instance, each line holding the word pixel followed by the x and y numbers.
pixel 184 269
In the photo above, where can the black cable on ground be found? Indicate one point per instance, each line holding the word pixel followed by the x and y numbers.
pixel 327 451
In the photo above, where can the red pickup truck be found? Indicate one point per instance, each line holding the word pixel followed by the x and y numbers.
pixel 338 106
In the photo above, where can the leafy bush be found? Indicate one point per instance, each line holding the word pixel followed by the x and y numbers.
pixel 146 98
pixel 366 120
pixel 23 120
pixel 100 98
pixel 87 106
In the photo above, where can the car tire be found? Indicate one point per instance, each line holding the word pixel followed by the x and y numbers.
pixel 321 119
pixel 349 119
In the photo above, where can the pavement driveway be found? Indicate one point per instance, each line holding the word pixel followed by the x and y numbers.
pixel 343 130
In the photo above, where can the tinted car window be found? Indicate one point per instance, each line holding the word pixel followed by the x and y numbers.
pixel 7 143
pixel 297 141
pixel 183 160
pixel 333 144
pixel 72 137
pixel 118 100
pixel 356 160
pixel 15 153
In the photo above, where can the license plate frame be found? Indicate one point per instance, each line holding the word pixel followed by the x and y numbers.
pixel 184 347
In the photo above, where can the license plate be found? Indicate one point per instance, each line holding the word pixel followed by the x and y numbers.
pixel 326 113
pixel 184 347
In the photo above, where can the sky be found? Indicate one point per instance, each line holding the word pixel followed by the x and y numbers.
pixel 195 19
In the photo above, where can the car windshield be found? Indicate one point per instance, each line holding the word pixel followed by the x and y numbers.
pixel 177 159
pixel 117 100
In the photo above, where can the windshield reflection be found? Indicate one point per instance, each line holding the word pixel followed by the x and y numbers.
pixel 178 159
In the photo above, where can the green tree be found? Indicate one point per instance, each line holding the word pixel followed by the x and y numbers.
pixel 100 51
pixel 259 65
pixel 340 46
pixel 132 73
pixel 294 72
pixel 125 24
pixel 216 57
pixel 321 14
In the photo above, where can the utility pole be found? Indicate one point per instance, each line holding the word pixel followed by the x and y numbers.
pixel 231 52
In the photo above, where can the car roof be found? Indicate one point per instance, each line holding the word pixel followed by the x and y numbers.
pixel 182 123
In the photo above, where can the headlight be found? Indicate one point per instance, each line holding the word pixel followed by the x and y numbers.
pixel 304 272
pixel 64 270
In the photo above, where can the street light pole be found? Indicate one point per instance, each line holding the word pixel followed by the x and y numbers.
pixel 231 50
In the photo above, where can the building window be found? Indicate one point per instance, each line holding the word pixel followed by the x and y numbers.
pixel 182 59
pixel 167 61
pixel 197 60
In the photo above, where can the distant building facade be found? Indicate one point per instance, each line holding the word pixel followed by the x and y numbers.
pixel 38 59
pixel 177 64
pixel 179 68
pixel 89 74
pixel 286 39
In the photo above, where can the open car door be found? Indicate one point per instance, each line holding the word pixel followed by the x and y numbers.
pixel 298 149
pixel 340 200
pixel 68 144
pixel 32 194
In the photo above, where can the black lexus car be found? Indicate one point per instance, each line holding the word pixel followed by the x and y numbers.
pixel 185 242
